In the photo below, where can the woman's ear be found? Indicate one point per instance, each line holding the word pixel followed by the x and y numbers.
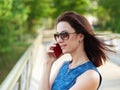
pixel 81 37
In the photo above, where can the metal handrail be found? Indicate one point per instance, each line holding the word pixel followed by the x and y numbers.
pixel 19 76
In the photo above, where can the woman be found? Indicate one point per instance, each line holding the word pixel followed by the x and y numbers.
pixel 76 37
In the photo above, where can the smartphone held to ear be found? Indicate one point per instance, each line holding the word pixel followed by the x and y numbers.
pixel 57 51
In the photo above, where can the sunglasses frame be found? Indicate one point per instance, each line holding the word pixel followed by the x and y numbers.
pixel 63 35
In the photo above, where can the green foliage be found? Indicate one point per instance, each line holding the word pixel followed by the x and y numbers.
pixel 40 12
pixel 13 15
pixel 110 14
pixel 81 6
pixel 9 59
pixel 21 17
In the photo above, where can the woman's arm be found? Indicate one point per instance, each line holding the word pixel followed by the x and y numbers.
pixel 87 81
pixel 55 69
pixel 46 69
pixel 45 77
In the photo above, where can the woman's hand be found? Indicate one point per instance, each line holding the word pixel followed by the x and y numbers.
pixel 50 57
pixel 47 65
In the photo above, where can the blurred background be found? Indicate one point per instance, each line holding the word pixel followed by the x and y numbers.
pixel 21 21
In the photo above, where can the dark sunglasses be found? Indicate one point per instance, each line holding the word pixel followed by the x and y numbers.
pixel 63 35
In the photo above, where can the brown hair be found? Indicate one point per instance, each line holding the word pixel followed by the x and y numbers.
pixel 94 47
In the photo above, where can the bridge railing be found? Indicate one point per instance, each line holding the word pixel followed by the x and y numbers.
pixel 19 76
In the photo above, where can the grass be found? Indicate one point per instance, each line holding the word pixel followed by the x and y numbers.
pixel 9 59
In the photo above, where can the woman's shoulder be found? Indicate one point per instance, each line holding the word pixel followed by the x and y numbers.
pixel 88 80
pixel 55 69
pixel 66 62
pixel 57 65
pixel 91 74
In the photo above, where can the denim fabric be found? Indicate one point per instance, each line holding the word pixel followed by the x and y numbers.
pixel 66 79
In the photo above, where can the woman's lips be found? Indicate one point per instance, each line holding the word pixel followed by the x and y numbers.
pixel 63 46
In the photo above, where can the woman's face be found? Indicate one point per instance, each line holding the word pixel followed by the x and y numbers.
pixel 67 37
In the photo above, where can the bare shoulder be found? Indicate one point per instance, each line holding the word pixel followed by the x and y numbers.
pixel 87 81
pixel 90 75
pixel 55 69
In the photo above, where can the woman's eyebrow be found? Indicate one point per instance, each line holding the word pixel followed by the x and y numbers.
pixel 63 31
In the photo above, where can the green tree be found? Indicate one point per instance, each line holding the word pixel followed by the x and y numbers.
pixel 40 11
pixel 81 6
pixel 13 15
pixel 110 12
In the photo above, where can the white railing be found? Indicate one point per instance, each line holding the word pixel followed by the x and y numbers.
pixel 19 76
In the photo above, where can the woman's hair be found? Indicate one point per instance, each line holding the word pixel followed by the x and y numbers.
pixel 94 47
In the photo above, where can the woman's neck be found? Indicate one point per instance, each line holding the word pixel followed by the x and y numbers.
pixel 78 58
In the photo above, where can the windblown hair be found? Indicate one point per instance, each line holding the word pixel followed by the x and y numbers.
pixel 94 47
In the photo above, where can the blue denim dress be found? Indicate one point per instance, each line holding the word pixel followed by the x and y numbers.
pixel 66 79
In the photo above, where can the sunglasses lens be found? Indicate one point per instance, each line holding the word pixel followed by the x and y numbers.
pixel 64 35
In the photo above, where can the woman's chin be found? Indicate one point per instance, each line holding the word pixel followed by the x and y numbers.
pixel 64 51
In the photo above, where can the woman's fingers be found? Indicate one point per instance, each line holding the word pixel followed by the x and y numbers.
pixel 50 52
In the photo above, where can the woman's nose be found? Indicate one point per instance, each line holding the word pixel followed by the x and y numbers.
pixel 59 39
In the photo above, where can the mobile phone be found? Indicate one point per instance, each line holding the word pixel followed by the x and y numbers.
pixel 57 51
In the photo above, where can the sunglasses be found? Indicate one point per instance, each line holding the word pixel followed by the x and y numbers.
pixel 63 35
